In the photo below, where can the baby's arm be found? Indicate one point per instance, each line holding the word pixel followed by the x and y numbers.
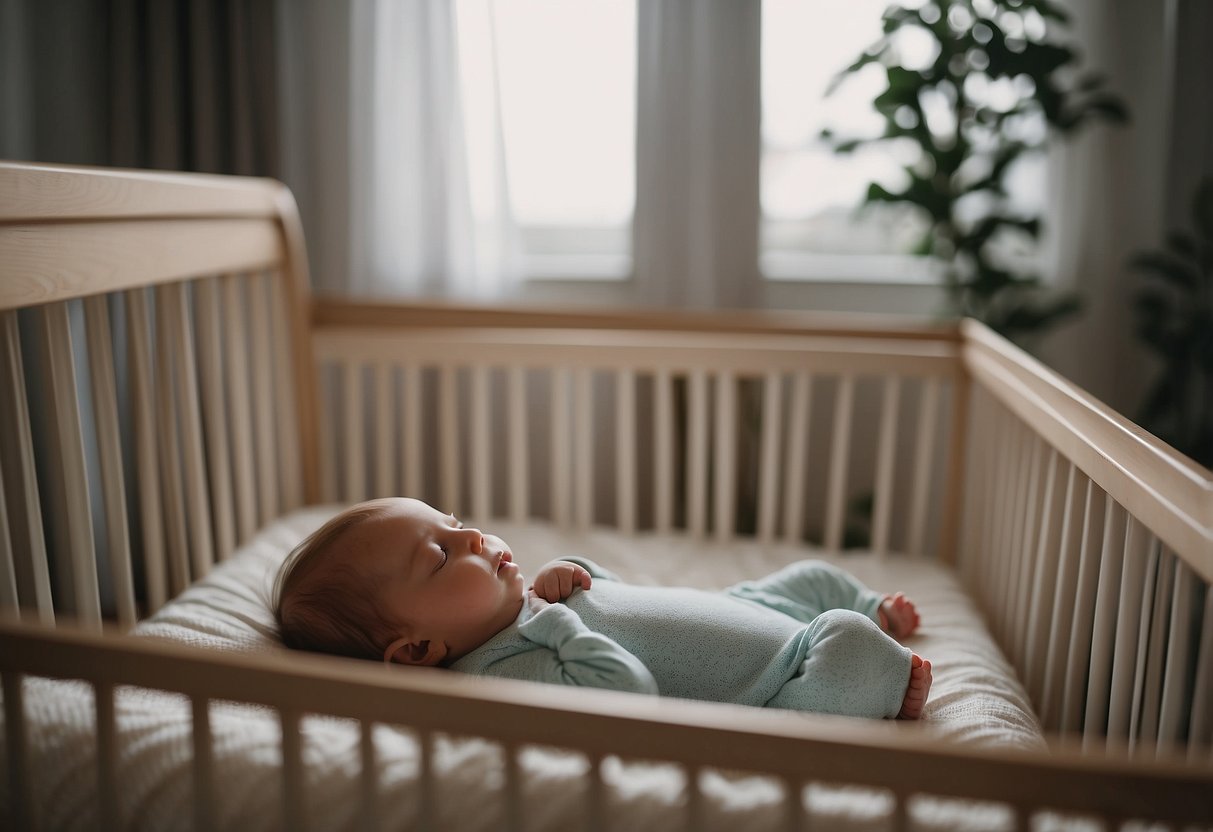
pixel 569 653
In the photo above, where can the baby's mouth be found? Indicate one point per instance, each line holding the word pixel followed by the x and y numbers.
pixel 506 557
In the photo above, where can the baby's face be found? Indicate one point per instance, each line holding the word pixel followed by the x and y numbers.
pixel 453 587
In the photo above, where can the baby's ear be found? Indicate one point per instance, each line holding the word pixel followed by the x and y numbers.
pixel 424 653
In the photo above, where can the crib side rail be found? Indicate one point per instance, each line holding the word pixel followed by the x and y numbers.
pixel 1090 545
pixel 155 385
pixel 724 434
pixel 1113 786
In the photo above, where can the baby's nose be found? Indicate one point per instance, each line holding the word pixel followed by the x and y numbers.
pixel 475 540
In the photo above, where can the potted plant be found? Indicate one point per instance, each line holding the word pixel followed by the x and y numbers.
pixel 1175 320
pixel 999 87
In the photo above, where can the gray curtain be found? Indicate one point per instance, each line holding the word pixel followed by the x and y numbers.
pixel 170 84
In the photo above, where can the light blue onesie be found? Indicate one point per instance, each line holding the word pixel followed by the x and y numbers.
pixel 802 638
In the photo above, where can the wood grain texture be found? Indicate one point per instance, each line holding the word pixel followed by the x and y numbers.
pixel 55 262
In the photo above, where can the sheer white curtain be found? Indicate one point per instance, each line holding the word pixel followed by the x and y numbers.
pixel 381 145
pixel 696 230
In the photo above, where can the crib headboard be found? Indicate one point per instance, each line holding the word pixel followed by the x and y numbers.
pixel 156 383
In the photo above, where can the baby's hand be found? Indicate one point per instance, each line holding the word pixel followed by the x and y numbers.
pixel 534 603
pixel 556 580
pixel 899 615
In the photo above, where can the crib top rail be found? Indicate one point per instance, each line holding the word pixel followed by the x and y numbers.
pixel 813 747
pixel 338 313
pixel 68 232
pixel 1165 490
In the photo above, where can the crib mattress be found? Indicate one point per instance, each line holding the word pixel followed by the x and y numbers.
pixel 975 698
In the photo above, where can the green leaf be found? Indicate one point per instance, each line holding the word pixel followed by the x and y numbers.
pixel 1049 10
pixel 1180 272
pixel 1183 246
pixel 1202 208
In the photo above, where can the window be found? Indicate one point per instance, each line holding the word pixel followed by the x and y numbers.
pixel 809 225
pixel 550 88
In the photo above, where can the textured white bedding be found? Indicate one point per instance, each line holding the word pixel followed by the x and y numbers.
pixel 975 698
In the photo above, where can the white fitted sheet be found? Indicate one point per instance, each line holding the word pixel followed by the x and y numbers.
pixel 975 698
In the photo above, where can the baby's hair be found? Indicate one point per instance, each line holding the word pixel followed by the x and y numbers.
pixel 322 604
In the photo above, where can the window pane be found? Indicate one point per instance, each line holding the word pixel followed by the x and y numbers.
pixel 564 79
pixel 809 194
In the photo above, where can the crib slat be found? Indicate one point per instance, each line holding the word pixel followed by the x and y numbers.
pixel 368 807
pixel 481 468
pixel 204 767
pixel 1145 592
pixel 412 463
pixel 663 452
pixel 210 375
pixel 768 476
pixel 147 464
pixel 1019 457
pixel 184 367
pixel 1146 706
pixel 29 543
pixel 519 450
pixel 239 411
pixel 66 413
pixel 9 604
pixel 1035 616
pixel 798 440
pixel 1100 675
pixel 263 403
pixel 109 449
pixel 1096 505
pixel 448 437
pixel 924 453
pixel 625 450
pixel 1200 733
pixel 725 476
pixel 427 814
pixel 1022 545
pixel 695 813
pixel 1128 635
pixel 884 464
pixel 840 452
pixel 385 484
pixel 107 756
pixel 294 812
pixel 1180 658
pixel 290 449
pixel 513 788
pixel 595 799
pixel 328 429
pixel 561 467
pixel 23 811
pixel 793 806
pixel 169 432
pixel 697 454
pixel 583 446
pixel 1003 436
pixel 1064 593
pixel 354 447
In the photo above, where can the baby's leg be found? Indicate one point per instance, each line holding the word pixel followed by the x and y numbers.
pixel 807 588
pixel 854 669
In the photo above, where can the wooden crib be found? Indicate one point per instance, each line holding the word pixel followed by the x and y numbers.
pixel 169 386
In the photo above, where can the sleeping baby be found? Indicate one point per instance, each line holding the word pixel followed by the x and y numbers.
pixel 396 579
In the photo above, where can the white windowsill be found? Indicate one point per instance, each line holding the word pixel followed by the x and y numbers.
pixel 892 269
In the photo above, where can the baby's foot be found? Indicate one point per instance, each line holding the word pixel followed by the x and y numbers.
pixel 917 689
pixel 899 615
